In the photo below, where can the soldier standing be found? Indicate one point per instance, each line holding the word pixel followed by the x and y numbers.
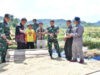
pixel 35 25
pixel 68 41
pixel 77 41
pixel 4 36
pixel 52 32
pixel 7 26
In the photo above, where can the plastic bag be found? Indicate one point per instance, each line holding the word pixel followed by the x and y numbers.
pixel 54 53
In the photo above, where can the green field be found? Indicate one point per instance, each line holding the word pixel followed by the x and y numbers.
pixel 91 37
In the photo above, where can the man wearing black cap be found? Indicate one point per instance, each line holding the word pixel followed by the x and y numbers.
pixel 6 26
pixel 4 36
pixel 68 41
pixel 20 34
pixel 77 41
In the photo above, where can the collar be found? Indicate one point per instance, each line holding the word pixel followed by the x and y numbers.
pixel 70 26
pixel 52 26
pixel 21 25
pixel 5 22
pixel 40 28
pixel 77 25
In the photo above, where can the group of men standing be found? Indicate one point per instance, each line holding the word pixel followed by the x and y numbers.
pixel 74 41
pixel 73 37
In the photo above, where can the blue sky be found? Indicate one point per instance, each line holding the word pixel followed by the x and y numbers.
pixel 88 10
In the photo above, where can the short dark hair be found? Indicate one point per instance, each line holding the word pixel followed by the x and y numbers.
pixel 52 21
pixel 29 25
pixel 41 23
pixel 68 21
pixel 23 19
pixel 34 19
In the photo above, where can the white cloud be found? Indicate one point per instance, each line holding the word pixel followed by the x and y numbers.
pixel 88 10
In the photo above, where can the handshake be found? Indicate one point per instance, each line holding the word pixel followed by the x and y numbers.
pixel 9 42
pixel 52 34
pixel 68 36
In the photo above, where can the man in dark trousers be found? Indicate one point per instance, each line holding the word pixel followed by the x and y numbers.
pixel 68 41
pixel 20 34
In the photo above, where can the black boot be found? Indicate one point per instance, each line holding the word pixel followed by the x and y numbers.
pixel 81 61
pixel 3 60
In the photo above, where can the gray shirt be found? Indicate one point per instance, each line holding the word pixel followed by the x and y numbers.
pixel 78 34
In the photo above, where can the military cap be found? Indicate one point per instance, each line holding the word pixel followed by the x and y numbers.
pixel 77 19
pixel 7 16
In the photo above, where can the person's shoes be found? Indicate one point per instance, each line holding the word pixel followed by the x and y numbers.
pixel 74 60
pixel 81 62
pixel 69 59
pixel 59 56
pixel 51 57
pixel 3 61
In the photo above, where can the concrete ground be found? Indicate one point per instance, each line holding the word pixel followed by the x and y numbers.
pixel 37 62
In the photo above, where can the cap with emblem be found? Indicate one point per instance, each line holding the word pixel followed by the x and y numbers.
pixel 7 16
pixel 77 19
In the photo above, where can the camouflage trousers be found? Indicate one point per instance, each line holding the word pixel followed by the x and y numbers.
pixel 3 49
pixel 56 46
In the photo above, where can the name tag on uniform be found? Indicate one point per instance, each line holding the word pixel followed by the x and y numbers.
pixel 7 26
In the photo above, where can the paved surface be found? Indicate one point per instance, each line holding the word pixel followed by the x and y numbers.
pixel 37 62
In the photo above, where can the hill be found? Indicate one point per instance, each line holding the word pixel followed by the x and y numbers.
pixel 58 22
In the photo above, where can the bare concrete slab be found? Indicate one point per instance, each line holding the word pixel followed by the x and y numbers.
pixel 37 62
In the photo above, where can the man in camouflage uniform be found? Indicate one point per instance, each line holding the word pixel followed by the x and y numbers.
pixel 52 32
pixel 7 27
pixel 35 25
pixel 4 36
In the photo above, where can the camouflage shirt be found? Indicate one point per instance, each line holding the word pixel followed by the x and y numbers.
pixel 1 30
pixel 35 26
pixel 52 30
pixel 6 29
pixel 2 41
